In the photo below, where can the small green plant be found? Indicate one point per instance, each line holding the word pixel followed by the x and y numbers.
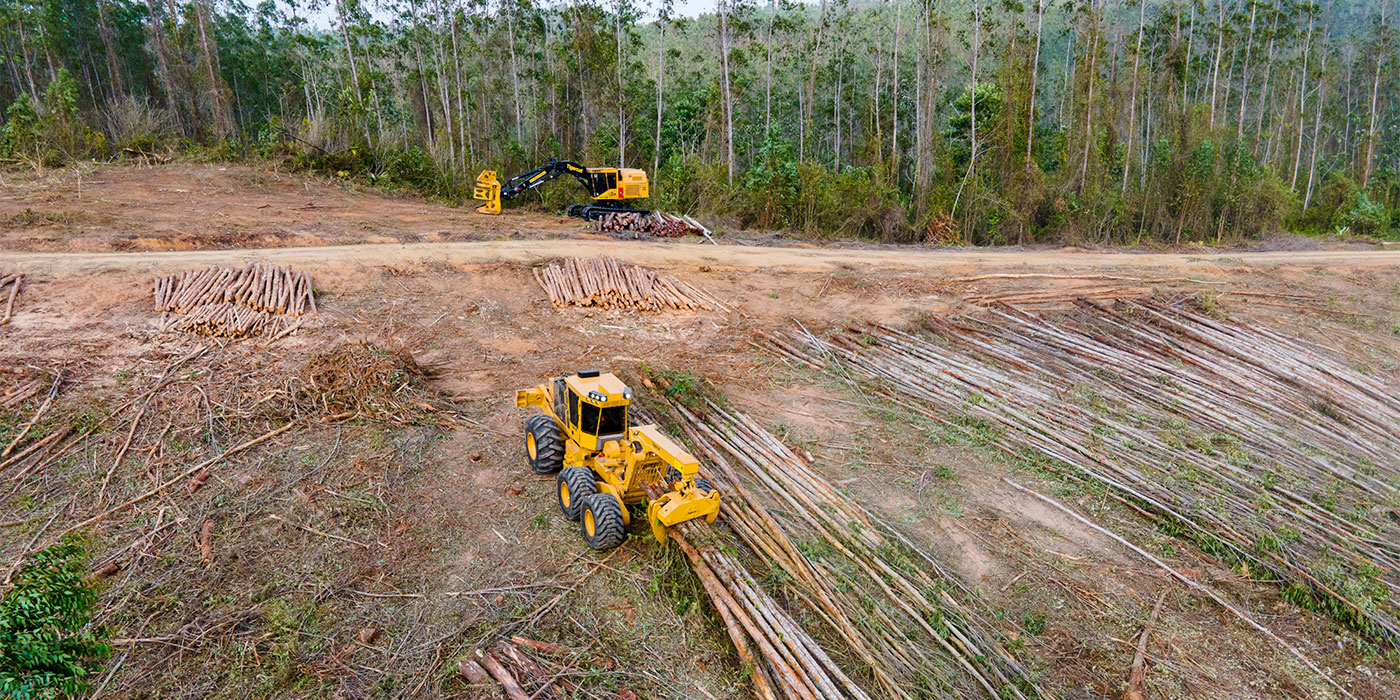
pixel 47 648
pixel 1034 623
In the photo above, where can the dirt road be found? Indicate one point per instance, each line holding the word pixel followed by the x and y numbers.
pixel 683 255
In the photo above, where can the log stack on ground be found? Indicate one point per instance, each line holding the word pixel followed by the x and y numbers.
pixel 1261 447
pixel 258 299
pixel 609 283
pixel 9 289
pixel 889 603
pixel 653 225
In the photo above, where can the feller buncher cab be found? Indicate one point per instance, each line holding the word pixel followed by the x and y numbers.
pixel 602 460
pixel 610 188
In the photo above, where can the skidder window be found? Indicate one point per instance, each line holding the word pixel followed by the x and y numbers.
pixel 603 421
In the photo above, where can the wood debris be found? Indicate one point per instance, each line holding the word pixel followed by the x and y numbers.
pixel 609 283
pixel 1278 455
pixel 259 299
pixel 9 289
pixel 518 674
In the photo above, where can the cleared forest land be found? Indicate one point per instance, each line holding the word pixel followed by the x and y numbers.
pixel 1171 474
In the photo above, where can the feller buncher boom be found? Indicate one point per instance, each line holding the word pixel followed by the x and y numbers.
pixel 602 461
pixel 610 188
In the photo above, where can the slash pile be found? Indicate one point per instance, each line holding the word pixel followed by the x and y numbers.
pixel 1261 448
pixel 885 600
pixel 611 284
pixel 235 303
pixel 655 224
pixel 14 282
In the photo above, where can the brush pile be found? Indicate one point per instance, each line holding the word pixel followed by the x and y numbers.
pixel 360 379
pixel 884 599
pixel 655 224
pixel 259 299
pixel 611 284
pixel 14 282
pixel 1261 448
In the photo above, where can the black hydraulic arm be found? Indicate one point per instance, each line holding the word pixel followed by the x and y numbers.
pixel 523 182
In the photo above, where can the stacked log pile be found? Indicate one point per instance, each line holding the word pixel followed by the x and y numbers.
pixel 885 600
pixel 655 225
pixel 1257 446
pixel 611 284
pixel 14 282
pixel 259 299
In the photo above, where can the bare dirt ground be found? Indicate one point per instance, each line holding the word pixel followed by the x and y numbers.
pixel 433 531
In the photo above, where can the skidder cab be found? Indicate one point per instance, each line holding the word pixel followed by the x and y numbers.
pixel 585 434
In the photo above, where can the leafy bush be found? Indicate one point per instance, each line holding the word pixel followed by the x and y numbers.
pixel 46 645
pixel 20 137
pixel 1363 215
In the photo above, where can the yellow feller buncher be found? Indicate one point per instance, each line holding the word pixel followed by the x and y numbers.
pixel 602 461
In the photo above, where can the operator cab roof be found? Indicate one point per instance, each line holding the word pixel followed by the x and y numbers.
pixel 592 384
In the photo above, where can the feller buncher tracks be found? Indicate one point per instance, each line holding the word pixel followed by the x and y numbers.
pixel 229 302
pixel 604 463
pixel 612 284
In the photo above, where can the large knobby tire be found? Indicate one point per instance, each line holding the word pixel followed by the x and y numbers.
pixel 544 446
pixel 574 485
pixel 602 521
pixel 672 476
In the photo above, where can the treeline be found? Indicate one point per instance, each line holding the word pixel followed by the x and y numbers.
pixel 961 121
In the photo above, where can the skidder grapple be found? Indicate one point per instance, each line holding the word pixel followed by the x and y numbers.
pixel 602 460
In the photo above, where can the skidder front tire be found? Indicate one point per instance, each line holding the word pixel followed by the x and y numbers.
pixel 544 446
pixel 602 521
pixel 574 486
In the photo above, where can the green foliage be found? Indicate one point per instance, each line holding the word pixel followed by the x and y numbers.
pixel 1361 215
pixel 20 137
pixel 47 647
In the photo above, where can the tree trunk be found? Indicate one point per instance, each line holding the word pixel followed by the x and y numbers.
pixel 894 106
pixel 515 78
pixel 728 98
pixel 1244 75
pixel 1035 78
pixel 1219 56
pixel 660 82
pixel 1133 97
pixel 1317 130
pixel 113 68
pixel 1302 102
pixel 1375 94
pixel 812 79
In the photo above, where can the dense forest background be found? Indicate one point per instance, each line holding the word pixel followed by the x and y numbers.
pixel 956 121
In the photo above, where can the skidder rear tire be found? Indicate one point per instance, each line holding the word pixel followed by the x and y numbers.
pixel 574 485
pixel 544 446
pixel 602 521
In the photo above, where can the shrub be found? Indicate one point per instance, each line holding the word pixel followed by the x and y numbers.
pixel 20 137
pixel 1363 215
pixel 46 645
pixel 132 122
